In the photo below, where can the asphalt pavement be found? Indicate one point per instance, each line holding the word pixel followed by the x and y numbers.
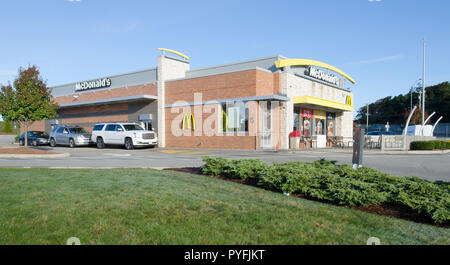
pixel 428 166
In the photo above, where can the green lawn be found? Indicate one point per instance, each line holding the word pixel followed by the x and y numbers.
pixel 141 206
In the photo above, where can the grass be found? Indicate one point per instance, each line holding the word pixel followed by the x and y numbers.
pixel 141 206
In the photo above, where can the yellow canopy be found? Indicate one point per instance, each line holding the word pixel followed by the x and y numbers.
pixel 323 102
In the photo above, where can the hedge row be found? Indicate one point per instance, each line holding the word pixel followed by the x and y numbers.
pixel 339 184
pixel 429 145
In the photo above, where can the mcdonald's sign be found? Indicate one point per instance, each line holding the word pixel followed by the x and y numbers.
pixel 349 101
pixel 189 119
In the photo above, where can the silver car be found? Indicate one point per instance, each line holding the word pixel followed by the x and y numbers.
pixel 69 135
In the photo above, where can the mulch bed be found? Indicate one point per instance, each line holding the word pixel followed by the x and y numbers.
pixel 396 211
pixel 3 133
pixel 25 151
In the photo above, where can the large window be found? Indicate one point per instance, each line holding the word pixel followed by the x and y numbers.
pixel 331 124
pixel 320 117
pixel 235 117
pixel 307 115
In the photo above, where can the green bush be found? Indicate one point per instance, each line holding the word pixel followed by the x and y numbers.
pixel 214 166
pixel 340 184
pixel 244 168
pixel 422 145
pixel 439 144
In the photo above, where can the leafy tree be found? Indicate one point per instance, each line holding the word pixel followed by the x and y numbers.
pixel 7 126
pixel 393 109
pixel 28 101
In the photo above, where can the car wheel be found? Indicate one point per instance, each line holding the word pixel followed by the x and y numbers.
pixel 52 142
pixel 21 142
pixel 34 143
pixel 129 144
pixel 72 143
pixel 100 143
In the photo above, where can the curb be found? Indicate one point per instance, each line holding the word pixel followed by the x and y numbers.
pixel 366 152
pixel 37 156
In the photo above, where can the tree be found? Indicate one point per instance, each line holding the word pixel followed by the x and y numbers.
pixel 28 101
pixel 393 109
pixel 7 126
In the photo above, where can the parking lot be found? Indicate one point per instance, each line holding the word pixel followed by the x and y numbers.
pixel 432 167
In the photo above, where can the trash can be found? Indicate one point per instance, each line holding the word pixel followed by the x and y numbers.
pixel 294 140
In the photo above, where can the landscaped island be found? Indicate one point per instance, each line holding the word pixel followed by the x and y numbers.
pixel 340 184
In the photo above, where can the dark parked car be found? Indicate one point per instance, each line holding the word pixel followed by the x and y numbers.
pixel 35 138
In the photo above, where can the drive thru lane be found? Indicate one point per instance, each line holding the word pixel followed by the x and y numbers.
pixel 431 167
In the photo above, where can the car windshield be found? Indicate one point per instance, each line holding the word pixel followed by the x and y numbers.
pixel 40 134
pixel 133 127
pixel 78 130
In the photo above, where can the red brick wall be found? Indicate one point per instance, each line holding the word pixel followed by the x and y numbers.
pixel 223 86
pixel 231 85
pixel 150 89
pixel 36 126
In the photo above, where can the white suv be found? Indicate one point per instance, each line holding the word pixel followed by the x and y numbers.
pixel 126 134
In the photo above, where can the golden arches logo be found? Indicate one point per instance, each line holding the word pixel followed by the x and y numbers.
pixel 187 120
pixel 175 52
pixel 349 101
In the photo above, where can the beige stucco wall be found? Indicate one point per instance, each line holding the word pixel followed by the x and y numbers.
pixel 295 86
pixel 168 68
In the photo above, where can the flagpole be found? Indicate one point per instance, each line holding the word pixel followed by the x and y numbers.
pixel 423 87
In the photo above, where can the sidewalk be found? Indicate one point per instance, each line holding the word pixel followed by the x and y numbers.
pixel 366 151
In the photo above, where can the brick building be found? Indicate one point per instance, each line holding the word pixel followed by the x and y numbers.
pixel 250 104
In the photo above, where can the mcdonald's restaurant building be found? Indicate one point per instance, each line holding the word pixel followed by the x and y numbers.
pixel 253 104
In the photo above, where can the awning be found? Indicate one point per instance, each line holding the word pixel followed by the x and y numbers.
pixel 332 105
pixel 110 101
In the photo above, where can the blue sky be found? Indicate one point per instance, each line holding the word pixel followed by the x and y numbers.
pixel 378 43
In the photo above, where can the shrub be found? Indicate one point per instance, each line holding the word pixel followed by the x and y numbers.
pixel 214 166
pixel 439 144
pixel 340 184
pixel 236 169
pixel 422 145
pixel 244 168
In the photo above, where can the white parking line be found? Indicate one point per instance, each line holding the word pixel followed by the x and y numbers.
pixel 121 155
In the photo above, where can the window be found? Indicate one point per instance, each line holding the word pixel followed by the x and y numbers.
pixel 235 117
pixel 98 127
pixel 78 130
pixel 320 117
pixel 330 124
pixel 40 134
pixel 110 127
pixel 148 125
pixel 60 130
pixel 297 119
pixel 133 127
pixel 307 115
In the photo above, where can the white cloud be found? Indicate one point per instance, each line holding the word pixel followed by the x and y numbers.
pixel 378 60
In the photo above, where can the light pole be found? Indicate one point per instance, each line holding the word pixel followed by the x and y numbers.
pixel 423 87
pixel 367 118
